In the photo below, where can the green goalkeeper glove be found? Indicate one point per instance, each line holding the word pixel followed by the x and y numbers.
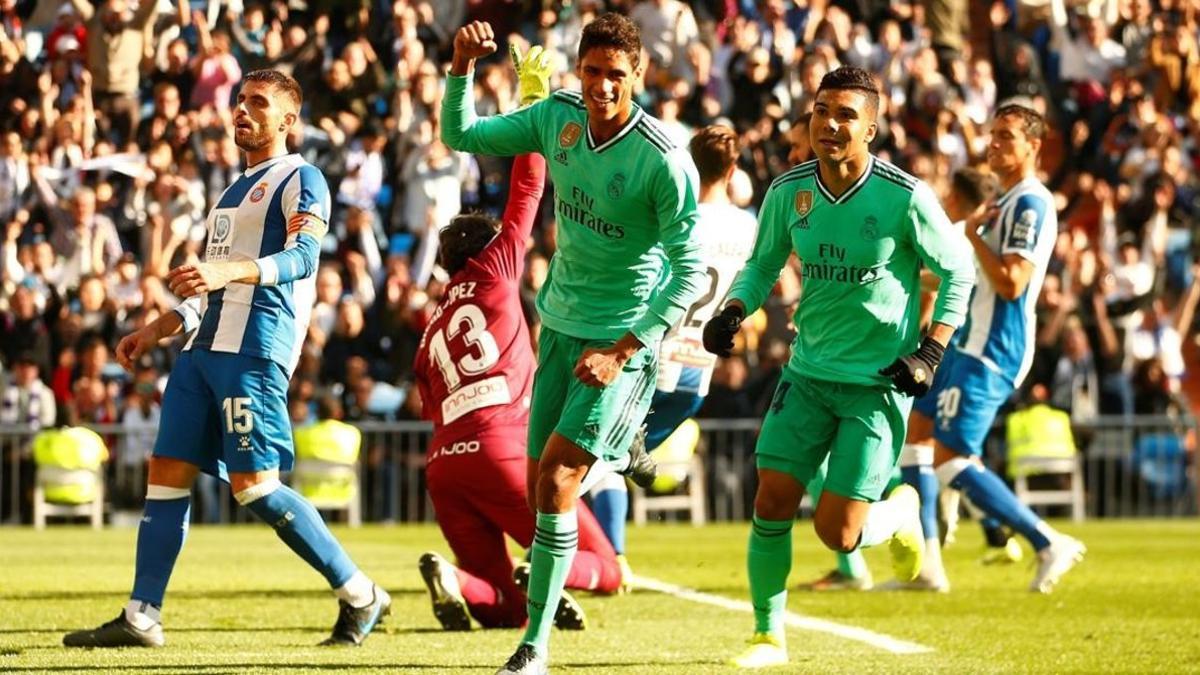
pixel 533 73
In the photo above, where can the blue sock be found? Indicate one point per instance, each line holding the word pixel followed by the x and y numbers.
pixel 924 480
pixel 160 538
pixel 610 504
pixel 300 527
pixel 992 496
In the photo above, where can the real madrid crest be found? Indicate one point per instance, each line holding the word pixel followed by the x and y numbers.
pixel 616 186
pixel 870 228
pixel 259 192
pixel 570 133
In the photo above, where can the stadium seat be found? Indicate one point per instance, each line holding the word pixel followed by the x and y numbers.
pixel 1040 442
pixel 1160 460
pixel 326 471
pixel 1073 496
pixel 330 487
pixel 49 480
pixel 69 479
pixel 680 485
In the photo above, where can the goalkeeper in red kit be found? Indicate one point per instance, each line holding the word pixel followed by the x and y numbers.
pixel 474 371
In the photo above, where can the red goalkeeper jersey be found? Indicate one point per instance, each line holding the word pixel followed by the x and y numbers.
pixel 475 365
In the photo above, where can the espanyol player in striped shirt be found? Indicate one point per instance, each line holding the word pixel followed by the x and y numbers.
pixel 990 357
pixel 225 407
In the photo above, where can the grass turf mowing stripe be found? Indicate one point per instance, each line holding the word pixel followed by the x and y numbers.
pixel 790 619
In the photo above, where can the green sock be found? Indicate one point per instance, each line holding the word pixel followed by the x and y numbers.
pixel 852 564
pixel 555 540
pixel 769 560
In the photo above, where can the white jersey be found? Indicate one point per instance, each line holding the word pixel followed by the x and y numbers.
pixel 726 236
pixel 1001 332
pixel 261 216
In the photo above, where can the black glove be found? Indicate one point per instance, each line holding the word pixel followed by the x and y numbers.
pixel 719 331
pixel 913 374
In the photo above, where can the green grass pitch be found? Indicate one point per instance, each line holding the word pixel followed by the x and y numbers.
pixel 241 603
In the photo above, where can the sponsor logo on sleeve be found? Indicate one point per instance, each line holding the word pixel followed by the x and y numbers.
pixel 569 135
pixel 804 202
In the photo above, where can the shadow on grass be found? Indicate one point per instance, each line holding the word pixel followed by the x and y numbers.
pixel 216 669
pixel 382 630
pixel 196 595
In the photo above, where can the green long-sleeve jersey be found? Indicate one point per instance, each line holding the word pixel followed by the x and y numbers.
pixel 625 208
pixel 861 256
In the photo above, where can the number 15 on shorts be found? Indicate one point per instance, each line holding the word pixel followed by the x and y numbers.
pixel 239 419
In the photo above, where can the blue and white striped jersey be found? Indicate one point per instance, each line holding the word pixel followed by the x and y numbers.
pixel 262 217
pixel 1001 332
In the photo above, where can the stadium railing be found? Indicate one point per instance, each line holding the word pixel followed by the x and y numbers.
pixel 1133 467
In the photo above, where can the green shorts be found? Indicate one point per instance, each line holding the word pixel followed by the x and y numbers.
pixel 859 428
pixel 602 421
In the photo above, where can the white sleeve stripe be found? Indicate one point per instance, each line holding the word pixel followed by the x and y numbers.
pixel 268 272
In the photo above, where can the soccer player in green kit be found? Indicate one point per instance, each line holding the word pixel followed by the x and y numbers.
pixel 862 229
pixel 625 201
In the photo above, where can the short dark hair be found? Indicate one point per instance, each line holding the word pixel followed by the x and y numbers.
pixel 1032 122
pixel 614 31
pixel 328 407
pixel 464 238
pixel 852 79
pixel 715 150
pixel 974 187
pixel 281 81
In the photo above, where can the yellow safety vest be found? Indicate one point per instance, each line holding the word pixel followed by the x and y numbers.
pixel 326 462
pixel 1038 431
pixel 68 462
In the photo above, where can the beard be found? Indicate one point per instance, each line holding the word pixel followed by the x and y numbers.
pixel 253 140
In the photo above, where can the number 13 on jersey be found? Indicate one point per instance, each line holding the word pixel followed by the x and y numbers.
pixel 480 355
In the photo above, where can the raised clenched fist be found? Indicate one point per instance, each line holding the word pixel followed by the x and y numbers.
pixel 474 40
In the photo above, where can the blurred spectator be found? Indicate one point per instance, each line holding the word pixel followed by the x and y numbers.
pixel 23 331
pixel 27 400
pixel 97 205
pixel 140 418
pixel 116 38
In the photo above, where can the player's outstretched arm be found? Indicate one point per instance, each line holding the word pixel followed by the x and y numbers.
pixel 525 187
pixel 772 246
pixel 499 135
pixel 184 319
pixel 943 249
pixel 674 191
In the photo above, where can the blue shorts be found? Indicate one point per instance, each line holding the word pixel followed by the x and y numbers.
pixel 667 411
pixel 226 413
pixel 963 402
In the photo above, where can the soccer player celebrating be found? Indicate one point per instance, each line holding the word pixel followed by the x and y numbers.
pixel 474 368
pixel 971 192
pixel 992 354
pixel 225 407
pixel 726 235
pixel 625 201
pixel 861 228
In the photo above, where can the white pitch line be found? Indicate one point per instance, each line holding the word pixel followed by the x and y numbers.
pixel 791 619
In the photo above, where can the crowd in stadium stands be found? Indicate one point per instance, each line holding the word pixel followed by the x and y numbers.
pixel 116 139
